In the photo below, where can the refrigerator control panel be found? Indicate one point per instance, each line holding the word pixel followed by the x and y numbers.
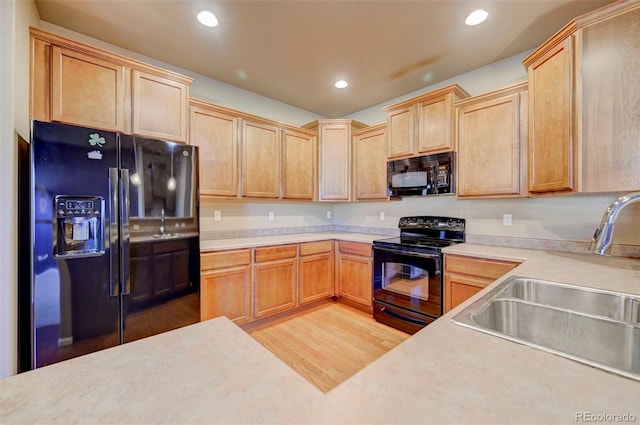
pixel 80 226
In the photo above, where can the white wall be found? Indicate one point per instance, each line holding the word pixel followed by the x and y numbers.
pixel 15 18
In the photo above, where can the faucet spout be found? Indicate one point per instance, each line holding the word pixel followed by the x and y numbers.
pixel 601 243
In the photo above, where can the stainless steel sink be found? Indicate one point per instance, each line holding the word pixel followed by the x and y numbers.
pixel 614 305
pixel 596 327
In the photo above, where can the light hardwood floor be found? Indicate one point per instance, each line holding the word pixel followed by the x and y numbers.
pixel 328 345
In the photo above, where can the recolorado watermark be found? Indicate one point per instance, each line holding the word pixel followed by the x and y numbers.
pixel 606 417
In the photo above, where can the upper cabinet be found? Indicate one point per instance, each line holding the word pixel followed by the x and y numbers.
pixel 334 158
pixel 491 136
pixel 423 124
pixel 260 160
pixel 583 96
pixel 214 131
pixel 370 163
pixel 299 148
pixel 73 83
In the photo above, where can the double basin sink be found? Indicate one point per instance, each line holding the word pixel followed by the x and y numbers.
pixel 596 327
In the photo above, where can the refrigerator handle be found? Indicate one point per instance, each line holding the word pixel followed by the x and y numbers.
pixel 125 241
pixel 113 242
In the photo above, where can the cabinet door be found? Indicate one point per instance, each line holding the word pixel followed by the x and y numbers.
pixel 159 107
pixel 489 147
pixel 435 125
pixel 275 286
pixel 609 60
pixel 459 288
pixel 261 153
pixel 226 292
pixel 551 145
pixel 87 91
pixel 335 162
pixel 316 277
pixel 370 162
pixel 299 154
pixel 401 132
pixel 355 278
pixel 216 135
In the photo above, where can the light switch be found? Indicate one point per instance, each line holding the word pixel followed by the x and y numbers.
pixel 272 216
pixel 216 216
pixel 506 219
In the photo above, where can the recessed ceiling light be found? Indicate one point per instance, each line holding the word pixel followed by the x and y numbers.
pixel 207 18
pixel 340 84
pixel 476 17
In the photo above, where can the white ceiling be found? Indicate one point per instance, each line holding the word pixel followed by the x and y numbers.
pixel 293 51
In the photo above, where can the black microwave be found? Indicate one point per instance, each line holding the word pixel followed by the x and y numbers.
pixel 421 175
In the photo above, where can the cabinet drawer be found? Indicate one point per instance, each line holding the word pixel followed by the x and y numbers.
pixel 310 248
pixel 490 269
pixel 222 259
pixel 159 248
pixel 271 253
pixel 355 248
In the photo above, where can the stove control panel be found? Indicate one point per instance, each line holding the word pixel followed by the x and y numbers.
pixel 430 222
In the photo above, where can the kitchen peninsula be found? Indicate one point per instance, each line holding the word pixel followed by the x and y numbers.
pixel 212 372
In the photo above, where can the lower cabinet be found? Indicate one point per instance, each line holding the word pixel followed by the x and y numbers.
pixel 354 272
pixel 255 283
pixel 466 276
pixel 225 285
pixel 316 271
pixel 275 280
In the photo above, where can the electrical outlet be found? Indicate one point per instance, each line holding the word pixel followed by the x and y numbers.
pixel 328 215
pixel 506 219
pixel 381 215
pixel 272 216
pixel 216 216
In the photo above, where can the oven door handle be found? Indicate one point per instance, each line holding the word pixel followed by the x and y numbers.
pixel 408 253
pixel 391 313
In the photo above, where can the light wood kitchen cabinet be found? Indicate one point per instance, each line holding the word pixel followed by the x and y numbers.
pixel 316 271
pixel 551 140
pixel 261 160
pixel 466 276
pixel 354 272
pixel 86 90
pixel 424 124
pixel 583 128
pixel 370 163
pixel 225 285
pixel 77 84
pixel 491 136
pixel 299 164
pixel 334 158
pixel 159 106
pixel 275 280
pixel 608 58
pixel 215 132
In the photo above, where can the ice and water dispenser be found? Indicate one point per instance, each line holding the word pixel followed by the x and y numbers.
pixel 80 226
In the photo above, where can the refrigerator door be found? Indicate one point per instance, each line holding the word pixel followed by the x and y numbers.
pixel 75 302
pixel 161 287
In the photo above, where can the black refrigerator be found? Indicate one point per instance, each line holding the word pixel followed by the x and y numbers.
pixel 102 205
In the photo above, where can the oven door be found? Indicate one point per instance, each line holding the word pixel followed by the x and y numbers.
pixel 408 280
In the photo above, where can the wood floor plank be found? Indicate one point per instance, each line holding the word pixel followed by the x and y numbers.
pixel 328 345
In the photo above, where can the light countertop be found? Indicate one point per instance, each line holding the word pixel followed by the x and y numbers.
pixel 237 243
pixel 213 372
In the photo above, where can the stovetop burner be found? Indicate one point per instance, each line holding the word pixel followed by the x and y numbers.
pixel 427 232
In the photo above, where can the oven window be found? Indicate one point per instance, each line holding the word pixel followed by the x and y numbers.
pixel 406 279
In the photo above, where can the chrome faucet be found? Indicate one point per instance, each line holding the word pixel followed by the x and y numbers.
pixel 601 243
pixel 162 222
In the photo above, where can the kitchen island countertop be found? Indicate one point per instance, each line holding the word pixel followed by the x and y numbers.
pixel 212 372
